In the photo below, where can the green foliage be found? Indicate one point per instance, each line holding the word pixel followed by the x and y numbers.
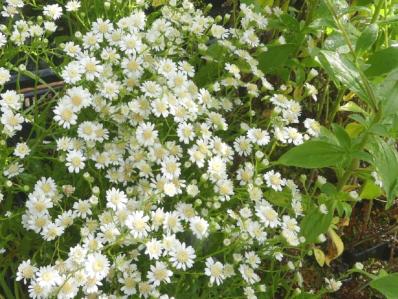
pixel 314 154
pixel 387 285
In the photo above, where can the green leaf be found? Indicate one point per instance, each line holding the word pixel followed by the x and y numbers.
pixel 315 223
pixel 280 199
pixel 387 285
pixel 306 296
pixel 387 91
pixel 382 62
pixel 207 73
pixel 343 71
pixel 342 136
pixel 367 38
pixel 275 57
pixel 313 154
pixel 386 162
pixel 370 190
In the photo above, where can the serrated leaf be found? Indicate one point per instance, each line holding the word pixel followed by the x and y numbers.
pixel 313 154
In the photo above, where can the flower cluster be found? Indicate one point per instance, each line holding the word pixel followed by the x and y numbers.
pixel 161 178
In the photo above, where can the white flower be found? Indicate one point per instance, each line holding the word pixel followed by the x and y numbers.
pixel 21 150
pixel 332 284
pixel 215 270
pixel 170 189
pixel 199 227
pixel 274 180
pixel 267 215
pixel 116 199
pixel 48 277
pixel 313 127
pixel 159 273
pixel 26 271
pixel 182 257
pixel 323 209
pixel 53 11
pixel 248 274
pixel 65 115
pixel 72 5
pixel 138 224
pixel 258 136
pixel 146 134
pixel 154 248
pixel 185 132
pixel 4 74
pixel 75 161
pixel 96 266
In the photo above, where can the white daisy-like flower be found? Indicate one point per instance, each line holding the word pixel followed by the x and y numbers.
pixel 72 5
pixel 182 257
pixel 154 248
pixel 48 277
pixel 258 136
pixel 53 11
pixel 267 215
pixel 75 161
pixel 146 134
pixel 116 199
pixel 21 150
pixel 137 222
pixel 274 180
pixel 199 227
pixel 159 273
pixel 215 270
pixel 96 266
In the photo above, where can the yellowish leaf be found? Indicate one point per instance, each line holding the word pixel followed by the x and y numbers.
pixel 336 247
pixel 158 2
pixel 319 256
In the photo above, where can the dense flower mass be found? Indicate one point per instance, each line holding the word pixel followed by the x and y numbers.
pixel 158 176
pixel 135 110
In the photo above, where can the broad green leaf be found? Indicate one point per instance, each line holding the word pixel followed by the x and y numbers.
pixel 280 199
pixel 315 223
pixel 367 38
pixel 258 4
pixel 354 129
pixel 313 154
pixel 342 136
pixel 276 56
pixel 386 162
pixel 343 71
pixel 207 73
pixel 387 285
pixel 306 296
pixel 382 62
pixel 387 92
pixel 370 190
